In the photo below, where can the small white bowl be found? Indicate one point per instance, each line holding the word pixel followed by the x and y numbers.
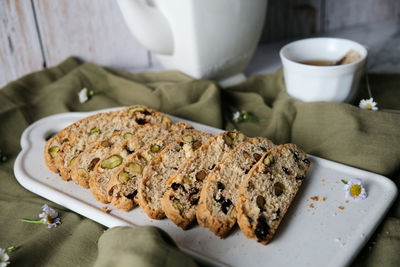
pixel 322 83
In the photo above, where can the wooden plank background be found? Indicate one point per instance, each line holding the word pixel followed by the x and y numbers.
pixel 19 42
pixel 38 33
pixel 92 30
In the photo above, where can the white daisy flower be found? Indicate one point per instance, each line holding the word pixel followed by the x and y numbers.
pixel 83 95
pixel 236 115
pixel 355 190
pixel 49 216
pixel 4 258
pixel 369 104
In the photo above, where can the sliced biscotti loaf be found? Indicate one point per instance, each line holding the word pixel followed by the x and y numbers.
pixel 123 186
pixel 154 181
pixel 218 198
pixel 110 162
pixel 268 190
pixel 124 122
pixel 182 195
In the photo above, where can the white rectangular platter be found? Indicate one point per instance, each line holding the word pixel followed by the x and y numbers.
pixel 323 235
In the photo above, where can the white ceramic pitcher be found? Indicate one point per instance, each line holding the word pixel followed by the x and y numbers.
pixel 202 38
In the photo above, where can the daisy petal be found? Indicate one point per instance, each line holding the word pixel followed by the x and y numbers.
pixel 4 258
pixel 354 190
pixel 83 95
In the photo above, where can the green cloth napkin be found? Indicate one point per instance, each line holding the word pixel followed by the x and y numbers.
pixel 136 253
pixel 343 133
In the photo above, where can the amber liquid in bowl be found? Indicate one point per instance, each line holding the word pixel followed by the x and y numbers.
pixel 318 62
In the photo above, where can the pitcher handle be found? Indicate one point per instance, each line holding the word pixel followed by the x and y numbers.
pixel 149 25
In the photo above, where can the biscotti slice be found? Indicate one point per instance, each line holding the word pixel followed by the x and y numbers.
pixel 268 190
pixel 154 181
pixel 123 186
pixel 54 144
pixel 182 195
pixel 218 198
pixel 107 165
pixel 124 122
